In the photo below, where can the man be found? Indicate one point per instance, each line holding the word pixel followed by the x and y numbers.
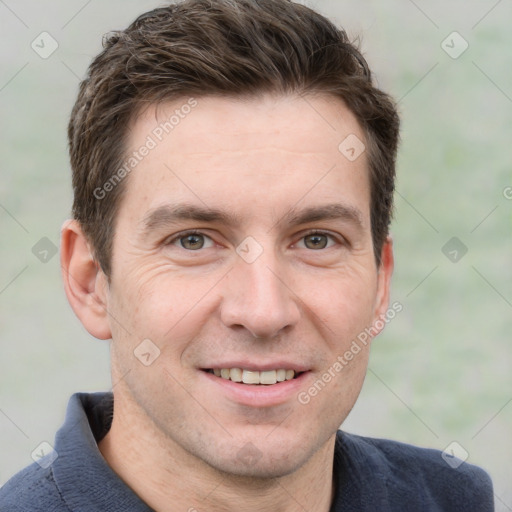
pixel 233 172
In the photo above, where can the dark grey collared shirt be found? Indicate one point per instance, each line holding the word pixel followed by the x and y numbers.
pixel 79 479
pixel 371 475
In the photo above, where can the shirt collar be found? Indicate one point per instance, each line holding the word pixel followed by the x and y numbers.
pixel 85 480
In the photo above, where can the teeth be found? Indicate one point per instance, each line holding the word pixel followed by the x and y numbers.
pixel 249 377
pixel 269 377
pixel 254 377
pixel 236 375
pixel 280 375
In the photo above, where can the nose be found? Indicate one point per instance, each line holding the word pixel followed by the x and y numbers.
pixel 257 298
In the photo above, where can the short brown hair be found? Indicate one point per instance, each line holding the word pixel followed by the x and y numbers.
pixel 228 48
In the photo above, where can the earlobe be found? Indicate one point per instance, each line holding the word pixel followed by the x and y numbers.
pixel 84 282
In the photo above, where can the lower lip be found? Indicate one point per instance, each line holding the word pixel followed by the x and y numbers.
pixel 260 395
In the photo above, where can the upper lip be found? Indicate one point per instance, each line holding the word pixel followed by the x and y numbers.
pixel 259 366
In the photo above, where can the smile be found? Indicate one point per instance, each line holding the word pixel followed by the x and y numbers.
pixel 267 377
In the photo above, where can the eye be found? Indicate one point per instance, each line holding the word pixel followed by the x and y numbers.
pixel 317 241
pixel 192 241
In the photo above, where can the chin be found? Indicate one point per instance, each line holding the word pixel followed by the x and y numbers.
pixel 265 468
pixel 260 458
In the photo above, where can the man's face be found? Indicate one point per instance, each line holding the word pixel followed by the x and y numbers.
pixel 244 241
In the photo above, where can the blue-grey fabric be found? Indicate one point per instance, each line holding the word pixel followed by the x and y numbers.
pixel 370 474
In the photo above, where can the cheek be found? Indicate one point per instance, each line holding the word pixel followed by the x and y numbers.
pixel 164 307
pixel 342 304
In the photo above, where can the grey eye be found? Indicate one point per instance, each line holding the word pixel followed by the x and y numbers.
pixel 192 242
pixel 316 241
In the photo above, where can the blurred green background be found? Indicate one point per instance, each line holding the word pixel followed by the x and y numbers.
pixel 441 371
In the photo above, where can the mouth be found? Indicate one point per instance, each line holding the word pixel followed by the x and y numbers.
pixel 254 377
pixel 258 386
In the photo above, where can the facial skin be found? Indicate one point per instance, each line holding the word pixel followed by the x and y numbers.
pixel 179 434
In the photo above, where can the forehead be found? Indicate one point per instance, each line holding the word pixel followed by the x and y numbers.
pixel 247 151
pixel 315 123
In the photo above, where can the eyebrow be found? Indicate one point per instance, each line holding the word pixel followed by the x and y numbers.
pixel 334 211
pixel 169 214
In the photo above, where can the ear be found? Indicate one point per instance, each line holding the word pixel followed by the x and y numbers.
pixel 385 271
pixel 84 282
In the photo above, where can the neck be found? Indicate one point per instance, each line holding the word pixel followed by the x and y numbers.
pixel 168 478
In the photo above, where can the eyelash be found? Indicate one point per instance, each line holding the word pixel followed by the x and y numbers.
pixel 320 232
pixel 184 234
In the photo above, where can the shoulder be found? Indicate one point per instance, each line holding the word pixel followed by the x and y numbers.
pixel 32 489
pixel 423 477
